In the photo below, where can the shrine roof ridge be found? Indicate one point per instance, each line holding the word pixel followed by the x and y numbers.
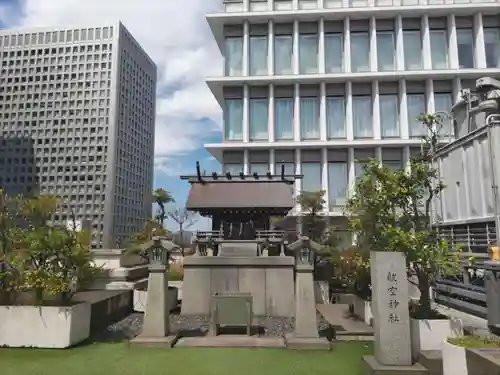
pixel 241 177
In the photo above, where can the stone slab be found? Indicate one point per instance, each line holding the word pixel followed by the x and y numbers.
pixel 306 324
pixel 307 343
pixel 432 360
pixel 152 342
pixel 156 315
pixel 344 323
pixel 199 261
pixel 373 367
pixel 483 361
pixel 390 308
pixel 231 341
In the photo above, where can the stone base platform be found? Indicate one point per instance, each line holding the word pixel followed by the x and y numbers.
pixel 373 367
pixel 345 326
pixel 107 306
pixel 152 342
pixel 231 341
pixel 432 360
pixel 307 343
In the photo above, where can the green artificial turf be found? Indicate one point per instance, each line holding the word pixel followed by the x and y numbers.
pixel 122 359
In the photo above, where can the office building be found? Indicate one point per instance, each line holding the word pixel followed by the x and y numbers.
pixel 77 120
pixel 319 84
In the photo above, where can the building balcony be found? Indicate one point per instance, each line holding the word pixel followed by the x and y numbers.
pixel 239 6
pixel 217 84
pixel 330 10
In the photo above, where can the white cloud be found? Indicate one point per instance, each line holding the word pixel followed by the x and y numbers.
pixel 176 36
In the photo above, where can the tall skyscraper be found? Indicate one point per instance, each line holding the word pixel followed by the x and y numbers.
pixel 77 120
pixel 317 85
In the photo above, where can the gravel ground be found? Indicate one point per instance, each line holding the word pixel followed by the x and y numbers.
pixel 131 326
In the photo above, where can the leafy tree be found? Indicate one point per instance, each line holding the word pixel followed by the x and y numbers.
pixel 9 278
pixel 50 259
pixel 316 228
pixel 162 198
pixel 311 203
pixel 150 229
pixel 184 219
pixel 391 211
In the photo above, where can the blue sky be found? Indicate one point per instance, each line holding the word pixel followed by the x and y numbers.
pixel 176 36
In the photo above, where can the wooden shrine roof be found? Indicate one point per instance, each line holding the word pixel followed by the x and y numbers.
pixel 240 194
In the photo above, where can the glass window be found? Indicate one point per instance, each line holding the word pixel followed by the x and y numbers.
pixel 362 116
pixel 439 49
pixel 416 108
pixel 308 53
pixel 289 168
pixel 394 165
pixel 233 168
pixel 283 118
pixel 234 56
pixel 360 52
pixel 312 176
pixel 389 116
pixel 335 117
pixel 283 52
pixel 309 118
pixel 492 47
pixel 260 168
pixel 465 41
pixel 443 103
pixel 358 168
pixel 334 50
pixel 258 116
pixel 233 119
pixel 258 55
pixel 385 51
pixel 412 50
pixel 337 183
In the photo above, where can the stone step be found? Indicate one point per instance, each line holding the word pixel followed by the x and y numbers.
pixel 107 284
pixel 115 258
pixel 353 337
pixel 432 360
pixel 124 273
pixel 231 341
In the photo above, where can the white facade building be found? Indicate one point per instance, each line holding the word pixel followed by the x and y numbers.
pixel 318 84
pixel 77 120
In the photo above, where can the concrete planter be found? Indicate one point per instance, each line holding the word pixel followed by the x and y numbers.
pixel 430 334
pixel 44 326
pixel 140 299
pixel 362 309
pixel 454 360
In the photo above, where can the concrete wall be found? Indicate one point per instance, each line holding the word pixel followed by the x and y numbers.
pixel 270 280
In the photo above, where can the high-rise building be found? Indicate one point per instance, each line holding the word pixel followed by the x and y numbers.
pixel 77 120
pixel 321 86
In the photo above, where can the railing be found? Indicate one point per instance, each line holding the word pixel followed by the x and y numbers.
pixel 208 235
pixel 467 298
pixel 271 234
pixel 465 292
pixel 475 238
pixel 209 243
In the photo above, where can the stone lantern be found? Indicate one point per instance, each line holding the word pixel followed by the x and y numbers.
pixel 156 315
pixel 157 254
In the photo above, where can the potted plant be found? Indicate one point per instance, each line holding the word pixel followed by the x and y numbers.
pixel 391 211
pixel 48 262
pixel 455 359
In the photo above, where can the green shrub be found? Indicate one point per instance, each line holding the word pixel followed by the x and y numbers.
pixel 475 341
pixel 176 272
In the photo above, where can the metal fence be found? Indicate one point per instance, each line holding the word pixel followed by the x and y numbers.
pixel 465 292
